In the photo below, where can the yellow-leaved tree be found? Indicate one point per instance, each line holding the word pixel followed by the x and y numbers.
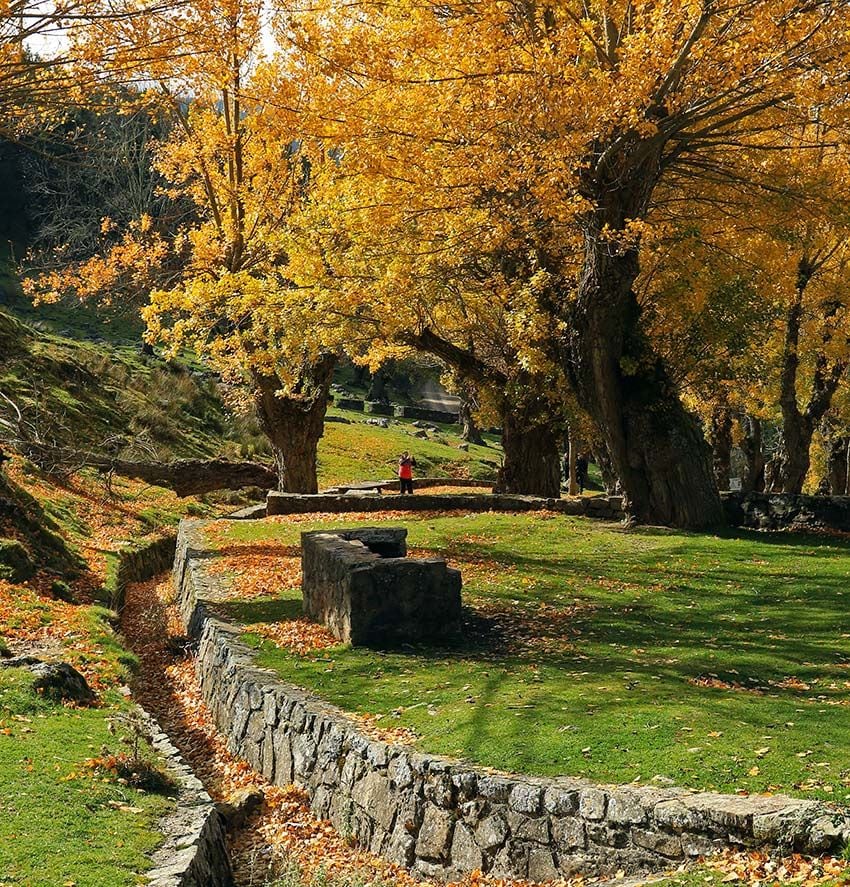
pixel 219 280
pixel 478 127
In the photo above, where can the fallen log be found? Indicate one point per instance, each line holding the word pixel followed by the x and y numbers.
pixel 192 477
pixel 187 477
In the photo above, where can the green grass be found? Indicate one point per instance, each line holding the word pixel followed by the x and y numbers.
pixel 60 823
pixel 606 691
pixel 360 452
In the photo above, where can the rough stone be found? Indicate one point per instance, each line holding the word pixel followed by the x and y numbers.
pixel 465 853
pixel 61 681
pixel 569 833
pixel 541 865
pixel 592 803
pixel 360 584
pixel 560 801
pixel 658 842
pixel 435 834
pixel 491 832
pixel 624 808
pixel 526 799
pixel 372 793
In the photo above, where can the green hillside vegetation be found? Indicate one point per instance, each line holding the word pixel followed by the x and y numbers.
pixel 358 451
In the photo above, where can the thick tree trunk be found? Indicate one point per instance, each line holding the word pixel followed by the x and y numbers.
pixel 657 448
pixel 294 423
pixel 532 464
pixel 751 446
pixel 798 426
pixel 721 444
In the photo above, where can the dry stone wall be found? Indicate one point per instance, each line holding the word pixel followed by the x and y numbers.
pixel 602 507
pixel 441 817
pixel 787 511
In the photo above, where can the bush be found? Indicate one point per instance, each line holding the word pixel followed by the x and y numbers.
pixel 15 562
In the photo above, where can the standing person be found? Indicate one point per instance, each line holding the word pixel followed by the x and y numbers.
pixel 406 464
pixel 581 472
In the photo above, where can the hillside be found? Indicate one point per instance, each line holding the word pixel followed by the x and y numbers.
pixel 90 387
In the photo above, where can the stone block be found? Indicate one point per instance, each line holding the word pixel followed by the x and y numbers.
pixel 568 833
pixel 400 771
pixel 592 803
pixel 625 808
pixel 541 865
pixel 491 832
pixel 529 828
pixel 495 788
pixel 435 834
pixel 466 856
pixel 362 587
pixel 658 842
pixel 373 795
pixel 560 801
pixel 526 799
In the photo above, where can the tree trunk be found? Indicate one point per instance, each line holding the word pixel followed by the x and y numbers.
pixel 294 423
pixel 532 463
pixel 470 432
pixel 751 446
pixel 656 446
pixel 798 426
pixel 721 444
pixel 572 456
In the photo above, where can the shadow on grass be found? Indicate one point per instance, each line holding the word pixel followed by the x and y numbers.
pixel 262 610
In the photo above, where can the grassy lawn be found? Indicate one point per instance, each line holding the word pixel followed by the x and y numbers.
pixel 650 656
pixel 350 453
pixel 60 821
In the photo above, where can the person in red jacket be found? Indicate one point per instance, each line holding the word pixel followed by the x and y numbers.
pixel 406 464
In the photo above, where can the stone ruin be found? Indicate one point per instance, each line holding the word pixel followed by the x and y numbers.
pixel 363 587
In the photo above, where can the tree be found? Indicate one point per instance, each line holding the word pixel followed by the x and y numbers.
pixel 219 280
pixel 568 121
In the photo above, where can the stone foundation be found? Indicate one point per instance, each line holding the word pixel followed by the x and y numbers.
pixel 441 817
pixel 360 584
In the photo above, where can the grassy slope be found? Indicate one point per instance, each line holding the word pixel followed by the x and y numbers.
pixel 627 621
pixel 61 823
pixel 348 453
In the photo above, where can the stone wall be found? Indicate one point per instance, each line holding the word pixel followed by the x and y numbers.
pixel 441 817
pixel 360 584
pixel 139 563
pixel 194 851
pixel 406 412
pixel 786 511
pixel 603 507
pixel 378 408
pixel 349 403
pixel 421 483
